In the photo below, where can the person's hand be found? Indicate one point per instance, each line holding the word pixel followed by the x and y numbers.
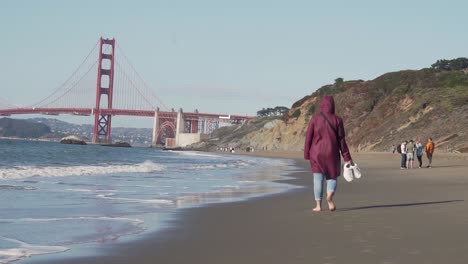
pixel 350 162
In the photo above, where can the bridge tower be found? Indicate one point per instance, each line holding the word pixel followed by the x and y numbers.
pixel 104 86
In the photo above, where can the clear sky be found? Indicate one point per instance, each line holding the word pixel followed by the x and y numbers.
pixel 232 57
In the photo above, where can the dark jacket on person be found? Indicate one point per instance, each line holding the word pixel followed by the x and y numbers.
pixel 322 145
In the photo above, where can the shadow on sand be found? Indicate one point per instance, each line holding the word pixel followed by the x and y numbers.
pixel 445 166
pixel 398 205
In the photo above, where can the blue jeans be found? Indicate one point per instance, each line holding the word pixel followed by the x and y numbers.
pixel 403 160
pixel 318 186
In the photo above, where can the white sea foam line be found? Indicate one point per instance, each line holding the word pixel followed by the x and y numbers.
pixel 16 187
pixel 201 167
pixel 96 191
pixel 79 190
pixel 198 154
pixel 150 201
pixel 246 161
pixel 221 165
pixel 247 182
pixel 30 171
pixel 80 218
pixel 26 250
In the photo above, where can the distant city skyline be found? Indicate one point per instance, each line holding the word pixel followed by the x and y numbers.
pixel 222 56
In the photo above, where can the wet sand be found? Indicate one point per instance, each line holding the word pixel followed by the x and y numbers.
pixel 388 216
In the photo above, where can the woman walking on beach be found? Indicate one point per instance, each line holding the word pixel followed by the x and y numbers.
pixel 325 138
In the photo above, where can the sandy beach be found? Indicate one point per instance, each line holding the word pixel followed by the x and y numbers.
pixel 389 216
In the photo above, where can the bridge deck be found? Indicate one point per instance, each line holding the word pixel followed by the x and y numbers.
pixel 115 112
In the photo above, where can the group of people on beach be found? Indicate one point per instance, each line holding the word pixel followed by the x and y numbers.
pixel 227 149
pixel 233 150
pixel 408 149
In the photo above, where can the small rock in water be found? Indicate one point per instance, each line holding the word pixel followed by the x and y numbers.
pixel 72 140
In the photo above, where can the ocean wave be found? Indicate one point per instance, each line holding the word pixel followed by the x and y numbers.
pixel 25 250
pixel 32 171
pixel 197 154
pixel 78 218
pixel 146 201
pixel 18 249
pixel 247 182
pixel 224 165
pixel 96 191
pixel 201 167
pixel 18 188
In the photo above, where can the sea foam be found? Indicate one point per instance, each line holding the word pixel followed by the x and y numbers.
pixel 25 250
pixel 146 201
pixel 21 172
pixel 197 153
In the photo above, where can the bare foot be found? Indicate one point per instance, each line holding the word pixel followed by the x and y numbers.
pixel 331 204
pixel 317 209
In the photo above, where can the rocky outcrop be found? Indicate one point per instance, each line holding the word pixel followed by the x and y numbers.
pixel 72 140
pixel 118 144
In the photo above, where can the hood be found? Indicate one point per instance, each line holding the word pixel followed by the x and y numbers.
pixel 327 105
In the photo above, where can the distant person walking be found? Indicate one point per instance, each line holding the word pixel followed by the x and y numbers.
pixel 430 146
pixel 410 154
pixel 419 152
pixel 403 155
pixel 325 139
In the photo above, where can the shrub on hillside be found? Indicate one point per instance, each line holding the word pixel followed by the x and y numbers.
pixel 451 65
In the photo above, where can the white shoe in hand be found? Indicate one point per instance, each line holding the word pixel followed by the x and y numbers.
pixel 356 171
pixel 348 172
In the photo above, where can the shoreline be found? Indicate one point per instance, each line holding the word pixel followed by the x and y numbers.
pixel 389 216
pixel 268 186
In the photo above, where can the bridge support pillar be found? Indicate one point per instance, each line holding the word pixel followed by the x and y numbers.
pixel 155 127
pixel 104 86
pixel 180 126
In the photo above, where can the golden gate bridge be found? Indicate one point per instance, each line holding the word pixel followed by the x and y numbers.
pixel 108 85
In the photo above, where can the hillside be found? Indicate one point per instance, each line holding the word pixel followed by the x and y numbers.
pixel 54 129
pixel 22 128
pixel 135 136
pixel 397 106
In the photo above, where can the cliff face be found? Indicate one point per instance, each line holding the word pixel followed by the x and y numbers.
pixel 392 108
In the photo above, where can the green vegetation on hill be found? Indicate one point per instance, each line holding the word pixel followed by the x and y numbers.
pixel 379 113
pixel 451 65
pixel 22 128
pixel 277 111
pixel 397 106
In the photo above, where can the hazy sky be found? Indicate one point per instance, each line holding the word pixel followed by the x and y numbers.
pixel 232 57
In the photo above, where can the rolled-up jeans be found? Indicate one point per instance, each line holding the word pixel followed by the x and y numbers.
pixel 318 186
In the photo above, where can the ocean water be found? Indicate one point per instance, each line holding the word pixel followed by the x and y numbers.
pixel 55 197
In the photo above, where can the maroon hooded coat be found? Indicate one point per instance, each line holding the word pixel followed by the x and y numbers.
pixel 322 145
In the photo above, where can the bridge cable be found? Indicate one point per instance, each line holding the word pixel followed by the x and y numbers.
pixel 144 82
pixel 134 86
pixel 69 78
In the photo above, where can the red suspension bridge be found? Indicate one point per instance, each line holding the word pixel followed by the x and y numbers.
pixel 119 90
